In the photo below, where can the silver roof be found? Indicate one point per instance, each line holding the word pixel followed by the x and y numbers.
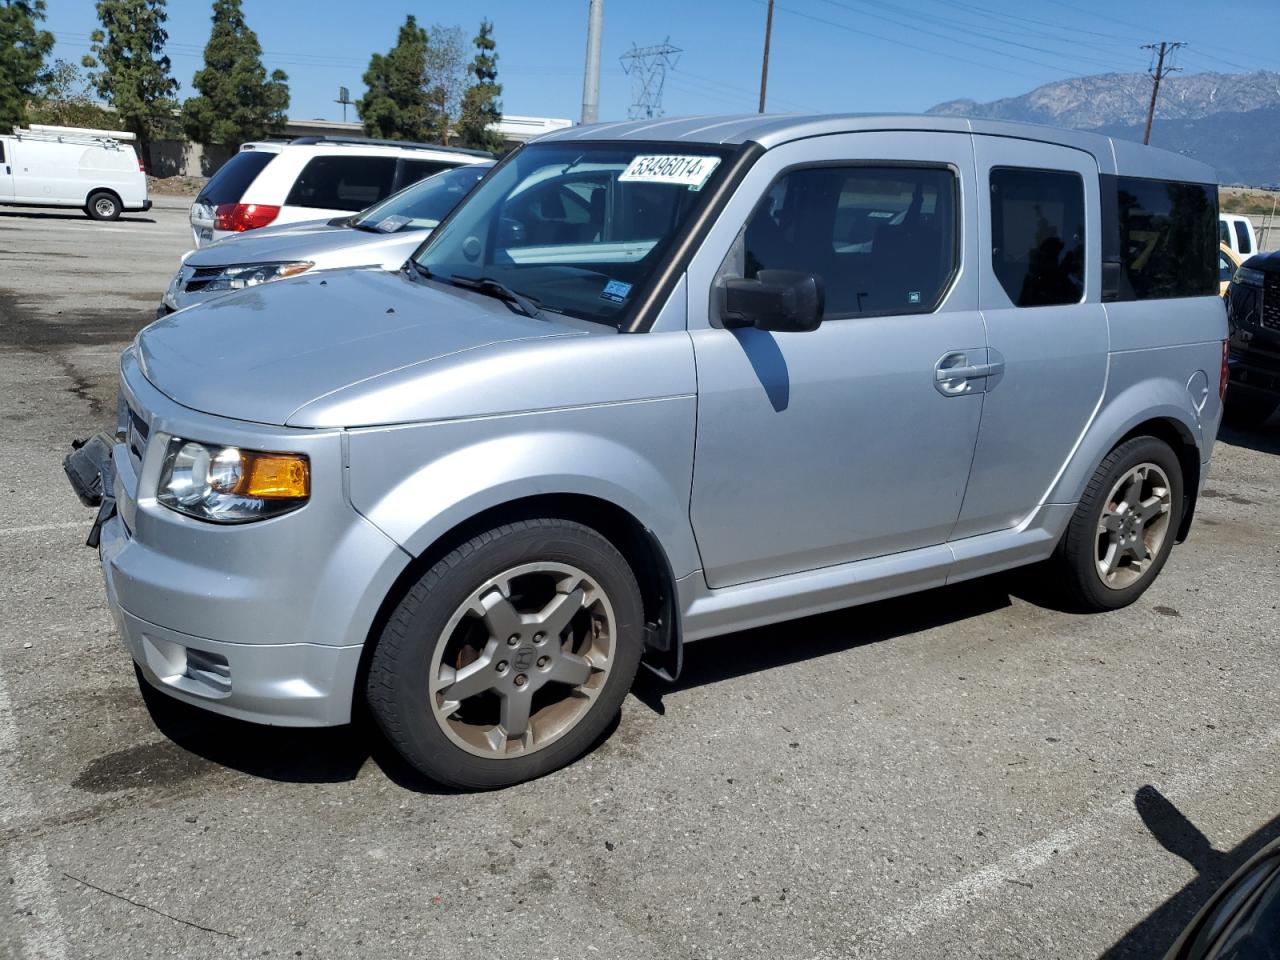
pixel 1123 157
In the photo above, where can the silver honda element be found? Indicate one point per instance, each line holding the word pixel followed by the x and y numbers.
pixel 653 382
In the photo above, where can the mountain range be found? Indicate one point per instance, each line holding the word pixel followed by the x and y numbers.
pixel 1229 120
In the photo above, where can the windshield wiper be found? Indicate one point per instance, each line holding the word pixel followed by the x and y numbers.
pixel 493 288
pixel 355 224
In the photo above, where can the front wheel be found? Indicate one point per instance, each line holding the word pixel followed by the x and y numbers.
pixel 1124 527
pixel 103 206
pixel 509 657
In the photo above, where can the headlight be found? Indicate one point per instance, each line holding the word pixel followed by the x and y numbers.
pixel 243 275
pixel 231 485
pixel 1248 277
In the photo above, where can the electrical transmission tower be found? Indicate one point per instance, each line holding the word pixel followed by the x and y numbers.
pixel 647 67
pixel 1158 72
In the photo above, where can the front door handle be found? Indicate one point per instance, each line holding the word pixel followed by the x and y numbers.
pixel 972 372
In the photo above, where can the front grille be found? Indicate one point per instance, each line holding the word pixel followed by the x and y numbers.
pixel 200 278
pixel 1271 299
pixel 136 438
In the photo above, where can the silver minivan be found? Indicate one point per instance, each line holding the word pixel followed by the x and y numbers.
pixel 651 382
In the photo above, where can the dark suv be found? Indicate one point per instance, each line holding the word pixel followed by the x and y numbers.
pixel 1253 312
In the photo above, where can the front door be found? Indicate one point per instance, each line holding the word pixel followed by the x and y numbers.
pixel 1040 281
pixel 851 441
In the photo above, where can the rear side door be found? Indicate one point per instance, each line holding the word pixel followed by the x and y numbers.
pixel 6 169
pixel 1039 273
pixel 849 441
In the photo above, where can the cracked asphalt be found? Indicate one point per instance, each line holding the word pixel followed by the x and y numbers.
pixel 959 774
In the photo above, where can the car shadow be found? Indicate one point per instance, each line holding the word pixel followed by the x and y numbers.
pixel 71 214
pixel 1263 439
pixel 717 659
pixel 1156 934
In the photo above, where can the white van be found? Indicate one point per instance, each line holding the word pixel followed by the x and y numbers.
pixel 96 171
pixel 1236 231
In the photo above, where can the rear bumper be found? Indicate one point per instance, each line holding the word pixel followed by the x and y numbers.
pixel 146 205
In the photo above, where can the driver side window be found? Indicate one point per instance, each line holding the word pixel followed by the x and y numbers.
pixel 882 239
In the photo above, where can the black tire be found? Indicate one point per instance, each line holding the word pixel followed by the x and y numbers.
pixel 1248 409
pixel 103 205
pixel 1076 557
pixel 396 688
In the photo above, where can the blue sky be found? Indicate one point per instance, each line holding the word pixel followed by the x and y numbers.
pixel 828 55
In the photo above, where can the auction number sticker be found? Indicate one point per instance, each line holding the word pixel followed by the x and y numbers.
pixel 681 171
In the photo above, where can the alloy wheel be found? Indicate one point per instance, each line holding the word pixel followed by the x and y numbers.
pixel 1133 526
pixel 522 659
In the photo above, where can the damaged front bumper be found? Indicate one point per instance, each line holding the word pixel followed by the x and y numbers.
pixel 91 472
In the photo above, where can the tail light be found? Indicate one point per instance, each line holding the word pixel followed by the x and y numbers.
pixel 141 168
pixel 243 216
pixel 1222 378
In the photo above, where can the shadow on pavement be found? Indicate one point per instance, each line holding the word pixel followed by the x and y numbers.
pixel 751 651
pixel 1263 439
pixel 1155 935
pixel 71 213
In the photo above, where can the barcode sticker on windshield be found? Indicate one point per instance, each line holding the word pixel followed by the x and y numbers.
pixel 691 172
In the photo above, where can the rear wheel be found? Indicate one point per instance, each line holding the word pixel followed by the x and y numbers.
pixel 103 206
pixel 510 656
pixel 1124 527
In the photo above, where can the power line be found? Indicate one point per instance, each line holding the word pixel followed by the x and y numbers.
pixel 912 46
pixel 1075 57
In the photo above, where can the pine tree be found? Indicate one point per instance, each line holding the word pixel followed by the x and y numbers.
pixel 23 47
pixel 481 109
pixel 132 69
pixel 236 102
pixel 395 104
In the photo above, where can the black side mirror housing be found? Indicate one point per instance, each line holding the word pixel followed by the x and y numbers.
pixel 783 301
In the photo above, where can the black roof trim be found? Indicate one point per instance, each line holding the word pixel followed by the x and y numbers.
pixel 407 144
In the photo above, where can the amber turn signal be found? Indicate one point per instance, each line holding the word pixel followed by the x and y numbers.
pixel 274 476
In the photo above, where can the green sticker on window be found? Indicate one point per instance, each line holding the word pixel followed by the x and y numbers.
pixel 913 296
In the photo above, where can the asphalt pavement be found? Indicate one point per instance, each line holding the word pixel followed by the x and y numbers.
pixel 960 774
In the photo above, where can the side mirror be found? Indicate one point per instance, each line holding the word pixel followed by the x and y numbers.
pixel 511 233
pixel 784 301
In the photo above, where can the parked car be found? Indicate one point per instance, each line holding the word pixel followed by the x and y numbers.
pixel 1253 315
pixel 312 178
pixel 382 236
pixel 96 171
pixel 652 382
pixel 1241 921
pixel 1236 231
pixel 1228 264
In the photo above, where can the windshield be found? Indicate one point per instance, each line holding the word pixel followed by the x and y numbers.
pixel 578 228
pixel 423 205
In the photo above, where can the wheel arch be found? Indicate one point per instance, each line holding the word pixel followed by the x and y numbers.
pixel 638 544
pixel 1167 422
pixel 108 190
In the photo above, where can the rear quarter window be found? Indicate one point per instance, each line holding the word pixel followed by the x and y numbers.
pixel 1244 237
pixel 1168 244
pixel 411 171
pixel 343 182
pixel 233 177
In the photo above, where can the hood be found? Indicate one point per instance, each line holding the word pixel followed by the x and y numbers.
pixel 324 245
pixel 262 353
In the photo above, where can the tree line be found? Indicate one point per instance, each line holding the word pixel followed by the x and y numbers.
pixel 422 89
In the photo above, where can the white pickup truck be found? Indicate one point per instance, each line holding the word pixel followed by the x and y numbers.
pixel 96 171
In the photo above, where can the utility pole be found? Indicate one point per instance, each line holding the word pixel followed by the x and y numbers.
pixel 1163 49
pixel 764 63
pixel 591 73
